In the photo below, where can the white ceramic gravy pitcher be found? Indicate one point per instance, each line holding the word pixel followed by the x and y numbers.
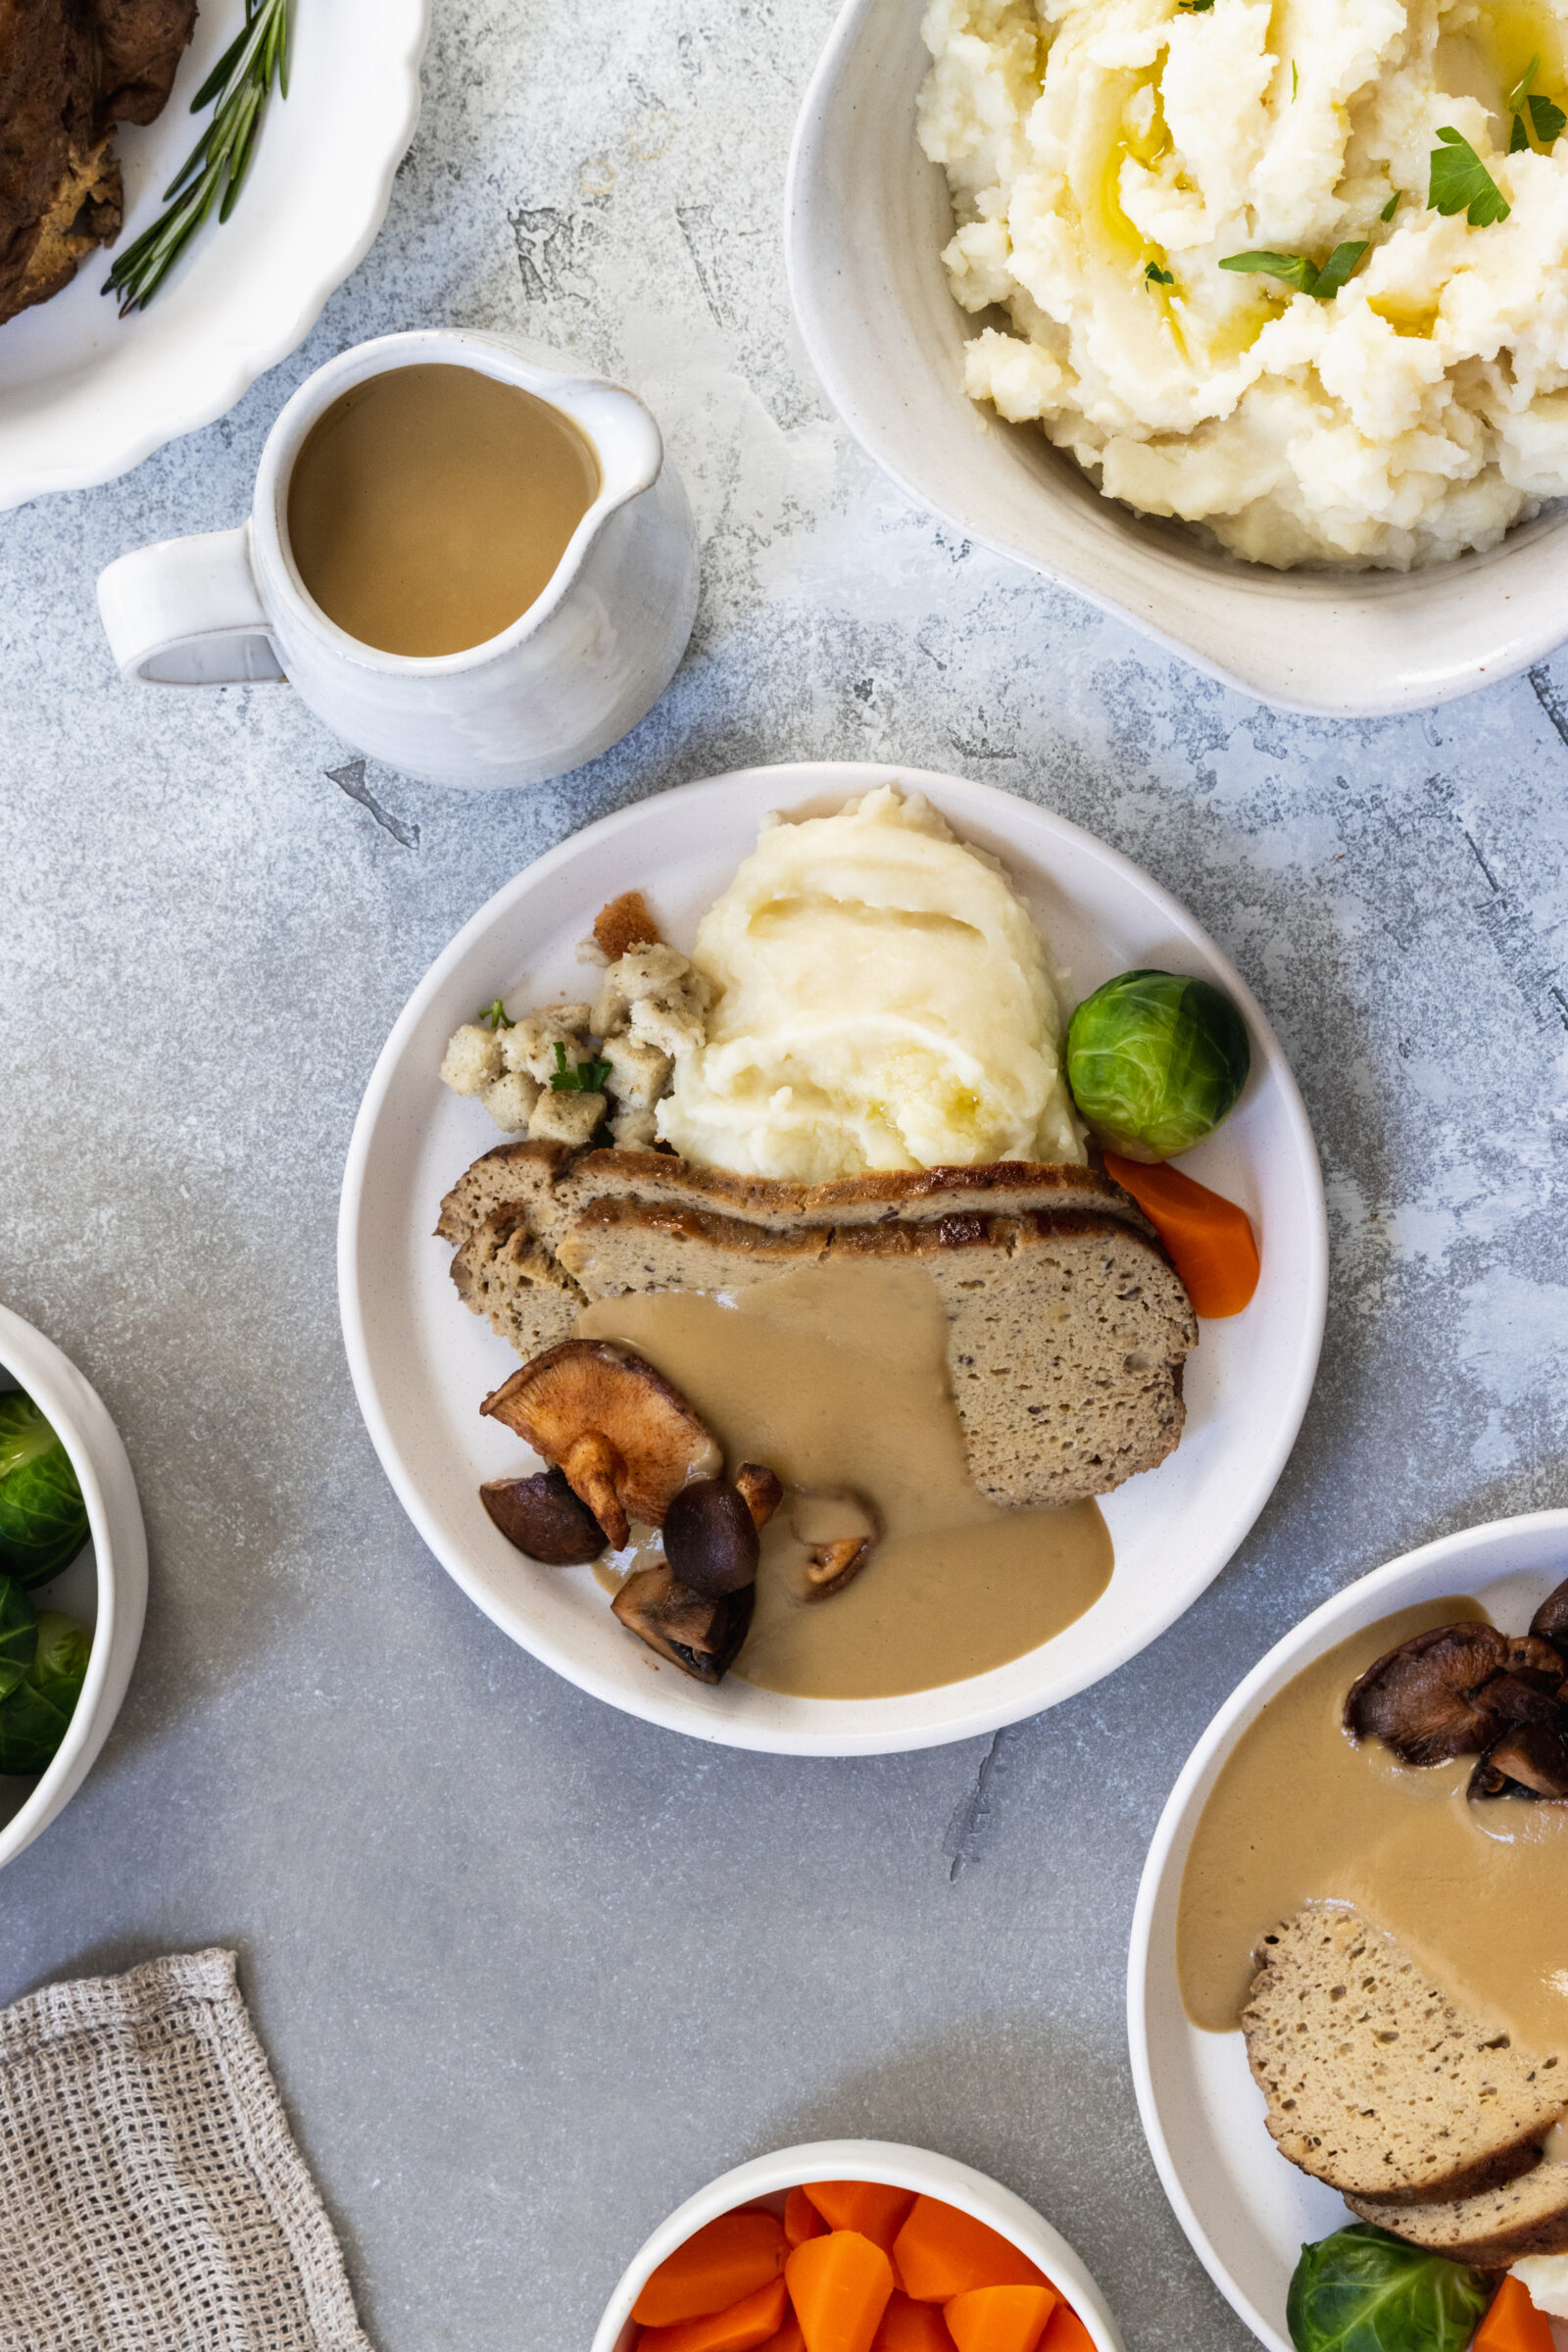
pixel 581 667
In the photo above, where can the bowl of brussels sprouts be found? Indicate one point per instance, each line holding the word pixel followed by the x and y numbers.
pixel 73 1579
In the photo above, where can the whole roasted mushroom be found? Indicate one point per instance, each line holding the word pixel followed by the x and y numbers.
pixel 1433 1697
pixel 544 1518
pixel 1531 1759
pixel 700 1634
pixel 626 1439
pixel 711 1538
pixel 1550 1621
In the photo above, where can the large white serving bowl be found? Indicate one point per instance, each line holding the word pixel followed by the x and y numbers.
pixel 84 394
pixel 422 1363
pixel 866 217
pixel 768 2180
pixel 105 1587
pixel 1245 2209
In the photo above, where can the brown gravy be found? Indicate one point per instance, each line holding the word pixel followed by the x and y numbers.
pixel 836 1376
pixel 1476 1895
pixel 432 505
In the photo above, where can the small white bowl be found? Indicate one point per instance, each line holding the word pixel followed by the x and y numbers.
pixel 105 1587
pixel 768 2179
pixel 866 217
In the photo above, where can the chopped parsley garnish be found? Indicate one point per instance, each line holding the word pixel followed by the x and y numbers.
pixel 588 1078
pixel 1523 86
pixel 1461 183
pixel 496 1017
pixel 1298 270
pixel 1154 276
pixel 1194 8
pixel 1547 119
pixel 1295 80
pixel 1392 207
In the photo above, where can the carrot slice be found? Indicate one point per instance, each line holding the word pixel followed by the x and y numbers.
pixel 911 2327
pixel 878 2212
pixel 942 2252
pixel 744 2327
pixel 726 2259
pixel 1066 2333
pixel 1210 1239
pixel 1512 2322
pixel 999 2319
pixel 802 2219
pixel 789 2338
pixel 839 2285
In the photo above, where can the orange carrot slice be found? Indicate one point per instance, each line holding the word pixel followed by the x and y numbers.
pixel 789 2338
pixel 878 2212
pixel 1066 2333
pixel 726 2259
pixel 910 2327
pixel 839 2285
pixel 802 2219
pixel 999 2319
pixel 942 2252
pixel 1210 1239
pixel 1512 2322
pixel 744 2327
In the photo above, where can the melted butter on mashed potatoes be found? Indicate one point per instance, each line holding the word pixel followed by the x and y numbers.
pixel 881 1001
pixel 1419 413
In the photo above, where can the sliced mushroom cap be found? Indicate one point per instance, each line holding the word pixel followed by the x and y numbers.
pixel 1550 1621
pixel 711 1538
pixel 840 1531
pixel 626 1439
pixel 761 1490
pixel 544 1518
pixel 1531 1759
pixel 1419 1700
pixel 701 1635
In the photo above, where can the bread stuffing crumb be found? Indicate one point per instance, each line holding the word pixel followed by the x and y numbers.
pixel 566 1119
pixel 509 1101
pixel 473 1059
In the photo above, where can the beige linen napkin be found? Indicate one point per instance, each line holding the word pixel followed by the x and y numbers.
pixel 152 2199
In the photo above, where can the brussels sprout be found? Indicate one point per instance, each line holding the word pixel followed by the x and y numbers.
pixel 1362 2291
pixel 33 1719
pixel 1156 1063
pixel 43 1520
pixel 18 1635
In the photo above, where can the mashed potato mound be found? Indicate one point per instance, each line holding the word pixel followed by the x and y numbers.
pixel 881 1001
pixel 1090 144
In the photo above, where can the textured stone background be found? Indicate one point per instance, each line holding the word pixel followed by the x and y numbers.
pixel 531 1972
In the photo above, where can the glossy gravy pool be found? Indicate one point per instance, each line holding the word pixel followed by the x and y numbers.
pixel 1477 1894
pixel 836 1376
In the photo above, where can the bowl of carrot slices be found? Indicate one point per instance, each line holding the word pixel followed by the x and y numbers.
pixel 855 2245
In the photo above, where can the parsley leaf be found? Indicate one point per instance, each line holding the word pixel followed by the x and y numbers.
pixel 1154 276
pixel 1549 119
pixel 588 1078
pixel 1392 207
pixel 1194 8
pixel 1461 183
pixel 1299 270
pixel 496 1015
pixel 1518 137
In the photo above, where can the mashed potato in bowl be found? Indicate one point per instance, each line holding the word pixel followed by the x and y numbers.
pixel 1106 156
pixel 881 999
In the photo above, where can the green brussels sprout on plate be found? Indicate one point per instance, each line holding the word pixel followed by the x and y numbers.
pixel 1156 1063
pixel 18 1635
pixel 34 1718
pixel 43 1519
pixel 1362 2291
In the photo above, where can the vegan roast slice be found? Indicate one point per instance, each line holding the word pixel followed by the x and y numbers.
pixel 1067 1324
pixel 1380 2085
pixel 71 70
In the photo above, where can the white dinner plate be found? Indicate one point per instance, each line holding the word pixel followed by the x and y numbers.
pixel 421 1362
pixel 1245 2209
pixel 84 394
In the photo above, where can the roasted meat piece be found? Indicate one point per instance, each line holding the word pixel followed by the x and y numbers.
pixel 70 71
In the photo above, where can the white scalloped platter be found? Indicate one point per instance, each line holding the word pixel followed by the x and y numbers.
pixel 422 1363
pixel 85 394
pixel 1245 2209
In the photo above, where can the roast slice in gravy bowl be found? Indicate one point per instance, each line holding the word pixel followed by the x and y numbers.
pixel 1346 1878
pixel 852 1360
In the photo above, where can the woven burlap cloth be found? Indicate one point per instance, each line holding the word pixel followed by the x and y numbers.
pixel 152 2199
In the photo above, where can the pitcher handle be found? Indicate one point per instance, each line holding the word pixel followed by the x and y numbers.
pixel 185 612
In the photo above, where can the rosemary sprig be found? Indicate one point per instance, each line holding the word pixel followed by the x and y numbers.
pixel 239 83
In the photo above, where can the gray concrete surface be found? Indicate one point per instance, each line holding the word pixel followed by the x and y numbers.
pixel 530 1972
